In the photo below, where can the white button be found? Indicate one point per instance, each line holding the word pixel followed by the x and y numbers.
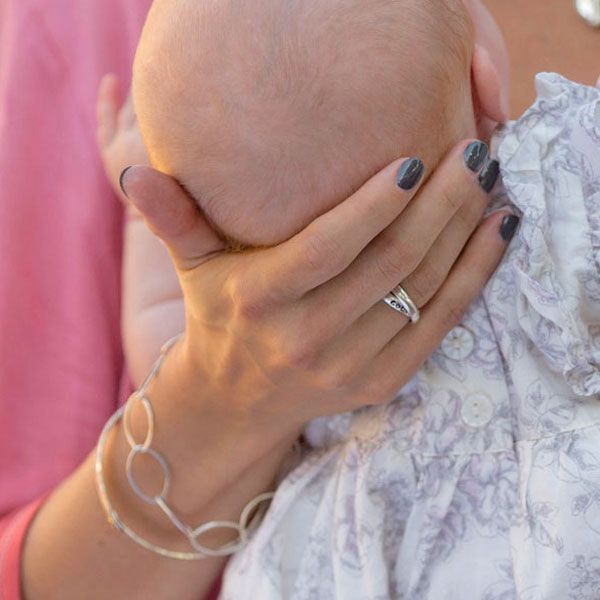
pixel 477 409
pixel 458 344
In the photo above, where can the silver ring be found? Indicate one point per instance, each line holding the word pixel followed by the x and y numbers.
pixel 401 302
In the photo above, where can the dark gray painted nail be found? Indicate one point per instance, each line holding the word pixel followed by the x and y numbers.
pixel 409 173
pixel 475 155
pixel 122 181
pixel 489 175
pixel 508 227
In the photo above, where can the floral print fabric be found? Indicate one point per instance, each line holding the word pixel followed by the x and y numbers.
pixel 481 480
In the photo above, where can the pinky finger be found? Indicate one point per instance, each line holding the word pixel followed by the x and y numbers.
pixel 107 109
pixel 404 355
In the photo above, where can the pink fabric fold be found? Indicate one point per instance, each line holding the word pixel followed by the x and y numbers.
pixel 61 365
pixel 60 248
pixel 60 237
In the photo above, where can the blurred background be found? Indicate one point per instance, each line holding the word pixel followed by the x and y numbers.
pixel 548 35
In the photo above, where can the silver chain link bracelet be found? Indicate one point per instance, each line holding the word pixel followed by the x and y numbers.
pixel 249 519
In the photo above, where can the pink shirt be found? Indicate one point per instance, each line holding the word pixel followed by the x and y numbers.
pixel 60 249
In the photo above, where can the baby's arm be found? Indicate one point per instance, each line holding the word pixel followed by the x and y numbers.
pixel 152 304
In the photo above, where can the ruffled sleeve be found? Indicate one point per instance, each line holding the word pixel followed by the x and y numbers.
pixel 551 173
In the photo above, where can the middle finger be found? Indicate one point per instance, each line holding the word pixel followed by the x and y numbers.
pixel 396 253
pixel 425 281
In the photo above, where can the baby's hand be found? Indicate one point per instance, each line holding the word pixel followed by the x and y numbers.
pixel 118 134
pixel 152 304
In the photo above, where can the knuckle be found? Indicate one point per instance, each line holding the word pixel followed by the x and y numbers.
pixel 248 303
pixel 297 351
pixel 250 308
pixel 366 396
pixel 385 392
pixel 321 251
pixel 453 315
pixel 481 268
pixel 451 198
pixel 393 261
pixel 470 216
pixel 334 379
pixel 377 392
pixel 488 260
pixel 424 283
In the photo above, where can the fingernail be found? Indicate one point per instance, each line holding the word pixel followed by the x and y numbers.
pixel 409 173
pixel 475 155
pixel 508 227
pixel 489 175
pixel 122 181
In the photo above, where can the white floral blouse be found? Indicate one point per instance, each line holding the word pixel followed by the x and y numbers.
pixel 481 480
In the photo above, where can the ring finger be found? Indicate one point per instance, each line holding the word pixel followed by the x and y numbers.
pixel 375 328
pixel 378 332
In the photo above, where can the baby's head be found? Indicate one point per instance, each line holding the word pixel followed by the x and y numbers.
pixel 271 112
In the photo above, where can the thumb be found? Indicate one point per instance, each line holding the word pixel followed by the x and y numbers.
pixel 172 215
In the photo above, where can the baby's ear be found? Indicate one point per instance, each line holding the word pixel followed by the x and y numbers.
pixel 491 95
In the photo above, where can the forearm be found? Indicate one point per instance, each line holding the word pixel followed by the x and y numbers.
pixel 217 465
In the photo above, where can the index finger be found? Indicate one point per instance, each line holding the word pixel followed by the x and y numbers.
pixel 332 242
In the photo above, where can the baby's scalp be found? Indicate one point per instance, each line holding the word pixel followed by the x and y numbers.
pixel 272 112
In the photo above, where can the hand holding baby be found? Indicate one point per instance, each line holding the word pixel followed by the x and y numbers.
pixel 295 323
pixel 296 331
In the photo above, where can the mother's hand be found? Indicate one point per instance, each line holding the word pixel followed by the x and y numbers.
pixel 299 330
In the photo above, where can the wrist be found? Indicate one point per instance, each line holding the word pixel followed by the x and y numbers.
pixel 240 403
pixel 210 447
pixel 197 473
